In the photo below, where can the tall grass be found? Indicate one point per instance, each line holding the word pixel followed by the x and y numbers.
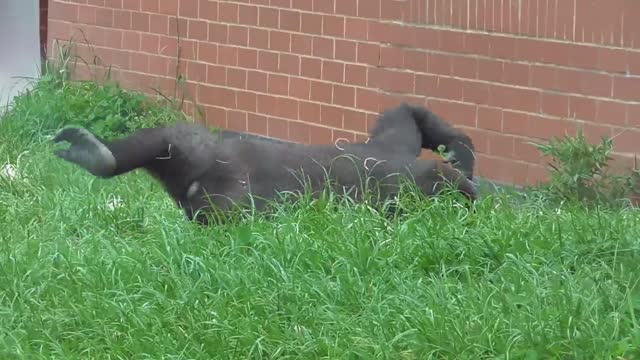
pixel 110 268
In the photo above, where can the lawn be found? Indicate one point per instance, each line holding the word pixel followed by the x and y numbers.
pixel 94 268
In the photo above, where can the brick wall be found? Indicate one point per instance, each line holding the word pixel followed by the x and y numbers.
pixel 508 71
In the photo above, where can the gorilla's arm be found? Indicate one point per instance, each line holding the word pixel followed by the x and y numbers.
pixel 408 128
pixel 107 159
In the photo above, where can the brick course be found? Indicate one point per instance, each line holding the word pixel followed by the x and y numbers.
pixel 314 71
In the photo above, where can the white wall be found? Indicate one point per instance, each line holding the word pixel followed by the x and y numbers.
pixel 19 46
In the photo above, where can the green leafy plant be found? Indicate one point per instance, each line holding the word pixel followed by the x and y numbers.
pixel 580 171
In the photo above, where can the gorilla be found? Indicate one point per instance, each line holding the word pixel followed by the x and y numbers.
pixel 205 172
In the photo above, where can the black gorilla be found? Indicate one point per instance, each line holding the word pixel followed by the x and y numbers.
pixel 199 168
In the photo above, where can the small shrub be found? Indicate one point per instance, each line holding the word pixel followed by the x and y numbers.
pixel 580 171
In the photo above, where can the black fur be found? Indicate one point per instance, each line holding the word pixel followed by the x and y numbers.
pixel 199 168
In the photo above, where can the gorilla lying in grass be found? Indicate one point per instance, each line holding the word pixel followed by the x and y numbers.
pixel 199 169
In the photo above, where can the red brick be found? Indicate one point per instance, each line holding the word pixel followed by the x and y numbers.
pixel 309 112
pixel 626 88
pixel 227 55
pixel 237 120
pixel 228 12
pixel 633 115
pixel 449 88
pixel 259 38
pixel 369 9
pixel 543 77
pixel 140 21
pixel 131 40
pixel 489 118
pixel 311 68
pixel 426 85
pixel 299 88
pixel 196 71
pixel 238 35
pixel 301 44
pixel 279 41
pixel 515 74
pixel 216 75
pixel 247 15
pixel 545 128
pixel 197 30
pixel 188 8
pixel 626 140
pixel 139 62
pixel 524 150
pixel 278 84
pixel 355 29
pixel 321 92
pixel 501 145
pixel 278 128
pixel 333 26
pixel 515 123
pixel 456 113
pixel 321 135
pixel 311 23
pixel 555 105
pixel 355 120
pixel 331 116
pixel 218 33
pixel 345 50
pixel 355 75
pixel 475 92
pixel 347 7
pixel 289 64
pixel 290 20
pixel 247 58
pixel 206 52
pixel 333 71
pixel 514 98
pixel 322 47
pixel 87 14
pixel 415 61
pixel 391 80
pixel 582 108
pixel 237 78
pixel 177 26
pixel 367 99
pixel 122 19
pixel 268 61
pixel 247 101
pixel 104 17
pixel 149 43
pixel 268 17
pixel 299 132
pixel 344 95
pixel 257 124
pixel 64 11
pixel 465 67
pixel 490 70
pixel 391 57
pixel 368 54
pixel 323 6
pixel 611 112
pixel 208 10
pixel 595 132
pixel 257 81
pixel 286 108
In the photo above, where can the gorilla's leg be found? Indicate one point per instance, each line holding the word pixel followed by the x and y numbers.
pixel 107 159
pixel 408 128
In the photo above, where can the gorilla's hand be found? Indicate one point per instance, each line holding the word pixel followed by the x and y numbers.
pixel 86 151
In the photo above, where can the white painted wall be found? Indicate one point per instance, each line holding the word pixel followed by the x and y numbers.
pixel 19 46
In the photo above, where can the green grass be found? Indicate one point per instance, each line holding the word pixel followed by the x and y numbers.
pixel 515 279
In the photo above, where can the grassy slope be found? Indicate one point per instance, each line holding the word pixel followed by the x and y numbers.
pixel 80 280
